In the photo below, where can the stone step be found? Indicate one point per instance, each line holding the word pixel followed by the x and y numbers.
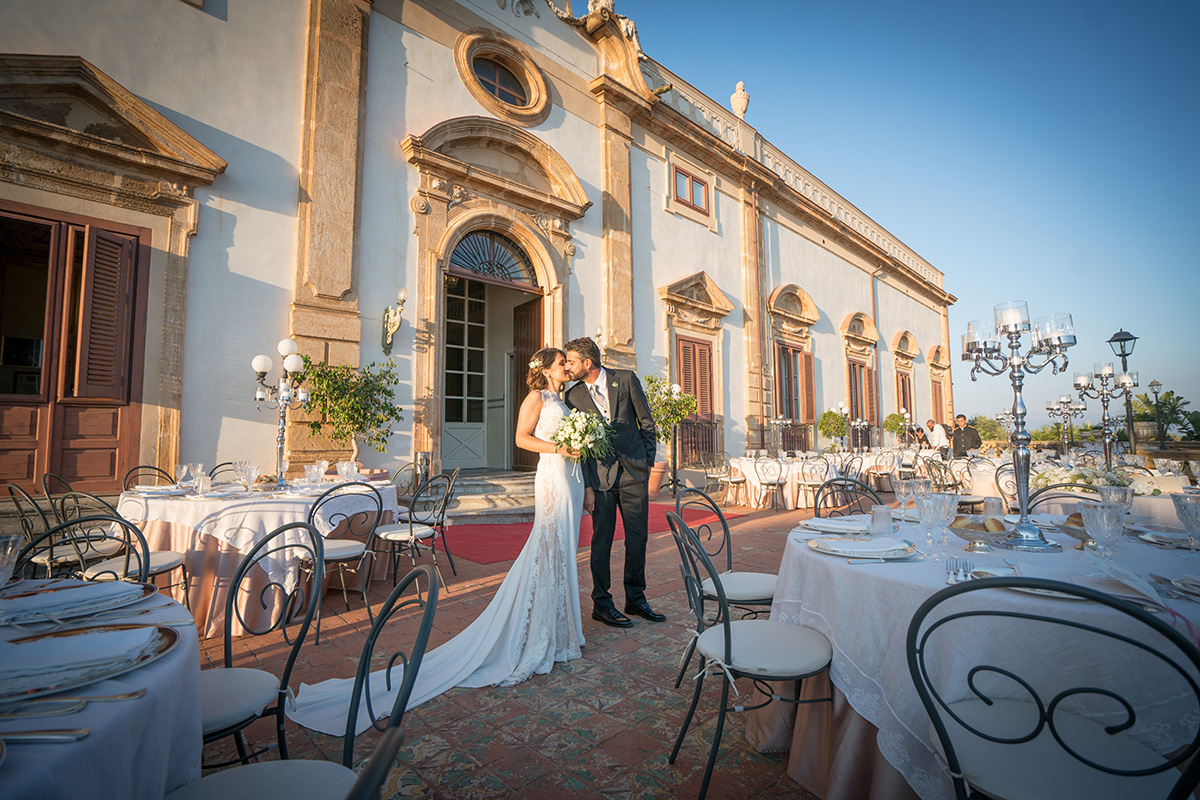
pixel 491 496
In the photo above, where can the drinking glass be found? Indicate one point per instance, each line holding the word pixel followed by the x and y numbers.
pixel 197 471
pixel 1187 508
pixel 322 467
pixel 903 490
pixel 203 485
pixel 993 507
pixel 345 469
pixel 929 513
pixel 881 522
pixel 250 475
pixel 1117 494
pixel 921 487
pixel 1103 522
pixel 181 473
pixel 947 510
pixel 312 474
pixel 10 548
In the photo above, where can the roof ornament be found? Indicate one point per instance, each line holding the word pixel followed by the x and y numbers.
pixel 739 101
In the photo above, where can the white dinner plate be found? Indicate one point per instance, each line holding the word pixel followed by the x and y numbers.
pixel 855 523
pixel 160 491
pixel 167 638
pixel 1006 572
pixel 830 547
pixel 148 590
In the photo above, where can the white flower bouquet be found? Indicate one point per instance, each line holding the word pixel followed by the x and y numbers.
pixel 585 433
pixel 1087 476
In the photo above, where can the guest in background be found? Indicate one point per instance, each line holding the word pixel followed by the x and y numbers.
pixel 966 437
pixel 919 438
pixel 937 438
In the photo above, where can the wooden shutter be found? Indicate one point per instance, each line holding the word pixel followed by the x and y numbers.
pixel 937 412
pixel 695 372
pixel 869 389
pixel 808 390
pixel 104 316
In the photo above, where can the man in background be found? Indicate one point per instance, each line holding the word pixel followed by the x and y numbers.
pixel 966 437
pixel 937 438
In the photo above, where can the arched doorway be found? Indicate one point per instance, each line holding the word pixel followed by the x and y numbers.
pixel 493 326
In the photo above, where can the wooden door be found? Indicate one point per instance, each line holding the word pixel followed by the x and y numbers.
pixel 527 340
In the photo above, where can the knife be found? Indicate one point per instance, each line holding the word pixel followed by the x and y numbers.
pixel 44 737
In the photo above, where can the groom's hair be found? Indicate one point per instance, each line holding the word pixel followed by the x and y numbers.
pixel 586 349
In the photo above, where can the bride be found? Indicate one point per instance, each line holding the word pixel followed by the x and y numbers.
pixel 534 620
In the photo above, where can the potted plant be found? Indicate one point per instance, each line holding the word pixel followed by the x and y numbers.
pixel 669 406
pixel 832 425
pixel 895 424
pixel 356 404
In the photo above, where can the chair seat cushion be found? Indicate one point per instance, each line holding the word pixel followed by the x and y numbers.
pixel 287 780
pixel 769 649
pixel 228 696
pixel 744 587
pixel 732 478
pixel 1046 770
pixel 402 533
pixel 65 553
pixel 160 561
pixel 343 549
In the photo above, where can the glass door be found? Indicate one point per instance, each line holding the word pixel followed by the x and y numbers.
pixel 464 443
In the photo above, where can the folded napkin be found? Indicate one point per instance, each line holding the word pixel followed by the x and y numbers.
pixel 864 546
pixel 53 660
pixel 58 602
pixel 856 523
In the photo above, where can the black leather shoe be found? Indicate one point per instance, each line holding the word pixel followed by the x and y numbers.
pixel 610 616
pixel 643 610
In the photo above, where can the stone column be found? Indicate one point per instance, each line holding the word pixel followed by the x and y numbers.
pixel 324 315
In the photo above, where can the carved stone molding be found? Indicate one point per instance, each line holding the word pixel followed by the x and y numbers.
pixel 905 349
pixel 419 205
pixel 792 312
pixel 495 46
pixel 696 303
pixel 860 334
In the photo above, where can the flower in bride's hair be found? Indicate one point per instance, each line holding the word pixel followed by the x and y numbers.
pixel 535 363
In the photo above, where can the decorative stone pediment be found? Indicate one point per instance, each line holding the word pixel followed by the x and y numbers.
pixel 859 333
pixel 792 310
pixel 938 358
pixel 697 301
pixel 66 106
pixel 905 348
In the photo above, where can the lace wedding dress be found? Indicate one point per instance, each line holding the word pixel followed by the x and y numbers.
pixel 532 622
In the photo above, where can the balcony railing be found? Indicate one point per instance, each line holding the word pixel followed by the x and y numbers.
pixel 697 441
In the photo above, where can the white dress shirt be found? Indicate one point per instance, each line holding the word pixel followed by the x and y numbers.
pixel 599 391
pixel 937 436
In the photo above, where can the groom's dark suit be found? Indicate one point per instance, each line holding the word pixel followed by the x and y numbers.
pixel 620 481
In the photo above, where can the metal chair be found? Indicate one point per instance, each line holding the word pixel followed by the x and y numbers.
pixel 347 516
pixel 769 471
pixel 766 650
pixel 221 469
pixel 1064 491
pixel 32 518
pixel 1018 725
pixel 146 473
pixel 231 698
pixel 54 486
pixel 726 477
pixel 1006 484
pixel 73 549
pixel 851 467
pixel 844 496
pixel 406 482
pixel 743 590
pixel 291 779
pixel 424 520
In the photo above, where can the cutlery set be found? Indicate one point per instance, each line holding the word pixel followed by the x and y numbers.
pixel 958 570
pixel 57 706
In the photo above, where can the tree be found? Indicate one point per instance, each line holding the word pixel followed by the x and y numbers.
pixel 668 405
pixel 895 424
pixel 989 428
pixel 358 404
pixel 832 425
pixel 1166 414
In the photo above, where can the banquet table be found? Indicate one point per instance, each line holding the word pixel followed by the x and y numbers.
pixel 799 491
pixel 873 740
pixel 136 748
pixel 215 532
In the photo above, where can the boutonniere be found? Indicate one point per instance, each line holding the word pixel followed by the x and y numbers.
pixel 614 384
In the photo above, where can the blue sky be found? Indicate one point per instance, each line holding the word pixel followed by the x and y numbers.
pixel 1040 151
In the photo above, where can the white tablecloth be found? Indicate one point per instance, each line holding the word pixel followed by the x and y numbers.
pixel 865 610
pixel 139 748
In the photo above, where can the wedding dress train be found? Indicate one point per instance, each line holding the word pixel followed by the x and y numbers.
pixel 532 622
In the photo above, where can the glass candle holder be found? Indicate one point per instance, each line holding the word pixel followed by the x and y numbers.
pixel 1012 316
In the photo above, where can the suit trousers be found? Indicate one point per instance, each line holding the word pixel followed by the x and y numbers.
pixel 632 497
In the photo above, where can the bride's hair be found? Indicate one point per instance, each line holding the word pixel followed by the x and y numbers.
pixel 541 360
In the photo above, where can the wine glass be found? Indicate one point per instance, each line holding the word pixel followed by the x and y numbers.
pixel 181 473
pixel 929 513
pixel 921 487
pixel 946 510
pixel 903 491
pixel 1187 508
pixel 197 470
pixel 1103 522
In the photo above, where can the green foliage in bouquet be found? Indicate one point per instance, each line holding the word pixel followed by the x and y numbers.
pixel 668 406
pixel 832 425
pixel 356 404
pixel 894 423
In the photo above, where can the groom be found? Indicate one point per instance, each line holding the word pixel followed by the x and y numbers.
pixel 619 481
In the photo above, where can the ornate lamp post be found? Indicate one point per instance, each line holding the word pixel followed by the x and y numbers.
pixel 285 395
pixel 1063 407
pixel 1155 387
pixel 860 427
pixel 1122 343
pixel 1050 337
pixel 844 410
pixel 1095 385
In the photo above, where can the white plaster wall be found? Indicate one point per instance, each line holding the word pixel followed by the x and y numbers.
pixel 898 311
pixel 233 79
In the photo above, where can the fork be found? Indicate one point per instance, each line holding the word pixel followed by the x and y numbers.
pixel 951 571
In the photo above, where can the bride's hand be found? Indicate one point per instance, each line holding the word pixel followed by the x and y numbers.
pixel 589 500
pixel 566 451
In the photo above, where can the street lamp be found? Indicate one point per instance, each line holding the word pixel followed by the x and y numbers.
pixel 1122 343
pixel 1155 386
pixel 286 396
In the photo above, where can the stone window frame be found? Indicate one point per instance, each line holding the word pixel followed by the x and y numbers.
pixel 490 44
pixel 905 352
pixel 675 206
pixel 793 312
pixel 939 373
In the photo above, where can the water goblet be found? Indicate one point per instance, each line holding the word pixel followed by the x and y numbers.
pixel 181 473
pixel 10 548
pixel 1187 508
pixel 929 513
pixel 197 471
pixel 1103 522
pixel 921 487
pixel 903 491
pixel 250 475
pixel 312 474
pixel 322 467
pixel 946 510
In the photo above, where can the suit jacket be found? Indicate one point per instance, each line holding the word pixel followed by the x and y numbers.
pixel 634 439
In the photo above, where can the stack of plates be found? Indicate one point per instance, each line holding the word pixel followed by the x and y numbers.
pixel 1189 585
pixel 855 523
pixel 1164 537
pixel 160 491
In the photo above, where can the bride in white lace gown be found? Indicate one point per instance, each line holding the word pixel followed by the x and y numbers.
pixel 534 620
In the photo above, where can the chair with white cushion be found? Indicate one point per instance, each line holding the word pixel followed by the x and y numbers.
pixel 74 549
pixel 771 477
pixel 231 698
pixel 422 522
pixel 327 780
pixel 347 515
pixel 760 650
pixel 750 592
pixel 1102 702
pixel 727 477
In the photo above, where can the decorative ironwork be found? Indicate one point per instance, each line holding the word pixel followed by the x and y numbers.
pixel 697 441
pixel 495 256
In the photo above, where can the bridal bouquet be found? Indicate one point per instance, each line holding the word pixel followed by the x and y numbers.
pixel 584 433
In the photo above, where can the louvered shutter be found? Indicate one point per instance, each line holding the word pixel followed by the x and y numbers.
pixel 104 316
pixel 704 379
pixel 937 402
pixel 687 365
pixel 808 390
pixel 869 388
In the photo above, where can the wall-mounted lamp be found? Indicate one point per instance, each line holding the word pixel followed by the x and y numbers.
pixel 391 320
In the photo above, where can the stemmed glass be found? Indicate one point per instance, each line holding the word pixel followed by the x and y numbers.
pixel 181 473
pixel 929 512
pixel 197 471
pixel 903 491
pixel 250 475
pixel 1103 522
pixel 921 487
pixel 1187 508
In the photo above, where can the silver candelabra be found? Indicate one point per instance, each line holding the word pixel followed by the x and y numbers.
pixel 1050 337
pixel 285 395
pixel 1005 418
pixel 1066 409
pixel 1095 385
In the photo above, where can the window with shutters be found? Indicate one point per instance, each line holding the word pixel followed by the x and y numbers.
pixel 938 411
pixel 795 395
pixel 904 392
pixel 698 433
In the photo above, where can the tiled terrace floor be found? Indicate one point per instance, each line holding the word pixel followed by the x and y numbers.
pixel 598 727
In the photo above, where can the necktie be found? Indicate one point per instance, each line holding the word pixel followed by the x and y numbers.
pixel 600 401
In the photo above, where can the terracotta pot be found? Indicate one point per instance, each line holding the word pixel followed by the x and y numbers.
pixel 658 474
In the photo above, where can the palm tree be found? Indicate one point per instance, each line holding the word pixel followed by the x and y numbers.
pixel 1167 413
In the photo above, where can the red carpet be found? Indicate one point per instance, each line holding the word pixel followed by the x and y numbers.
pixel 488 544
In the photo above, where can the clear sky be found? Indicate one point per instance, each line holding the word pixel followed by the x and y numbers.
pixel 1046 151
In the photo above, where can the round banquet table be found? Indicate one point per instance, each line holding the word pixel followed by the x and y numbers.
pixel 873 740
pixel 136 748
pixel 215 533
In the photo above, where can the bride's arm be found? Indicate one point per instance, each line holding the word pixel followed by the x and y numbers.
pixel 527 418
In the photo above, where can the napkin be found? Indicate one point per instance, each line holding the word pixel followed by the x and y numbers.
pixel 858 523
pixel 77 599
pixel 865 546
pixel 53 660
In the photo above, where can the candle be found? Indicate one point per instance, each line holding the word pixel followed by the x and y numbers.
pixel 1082 379
pixel 1106 369
pixel 1064 399
pixel 1127 379
pixel 1010 318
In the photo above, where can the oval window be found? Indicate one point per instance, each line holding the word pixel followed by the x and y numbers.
pixel 500 81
